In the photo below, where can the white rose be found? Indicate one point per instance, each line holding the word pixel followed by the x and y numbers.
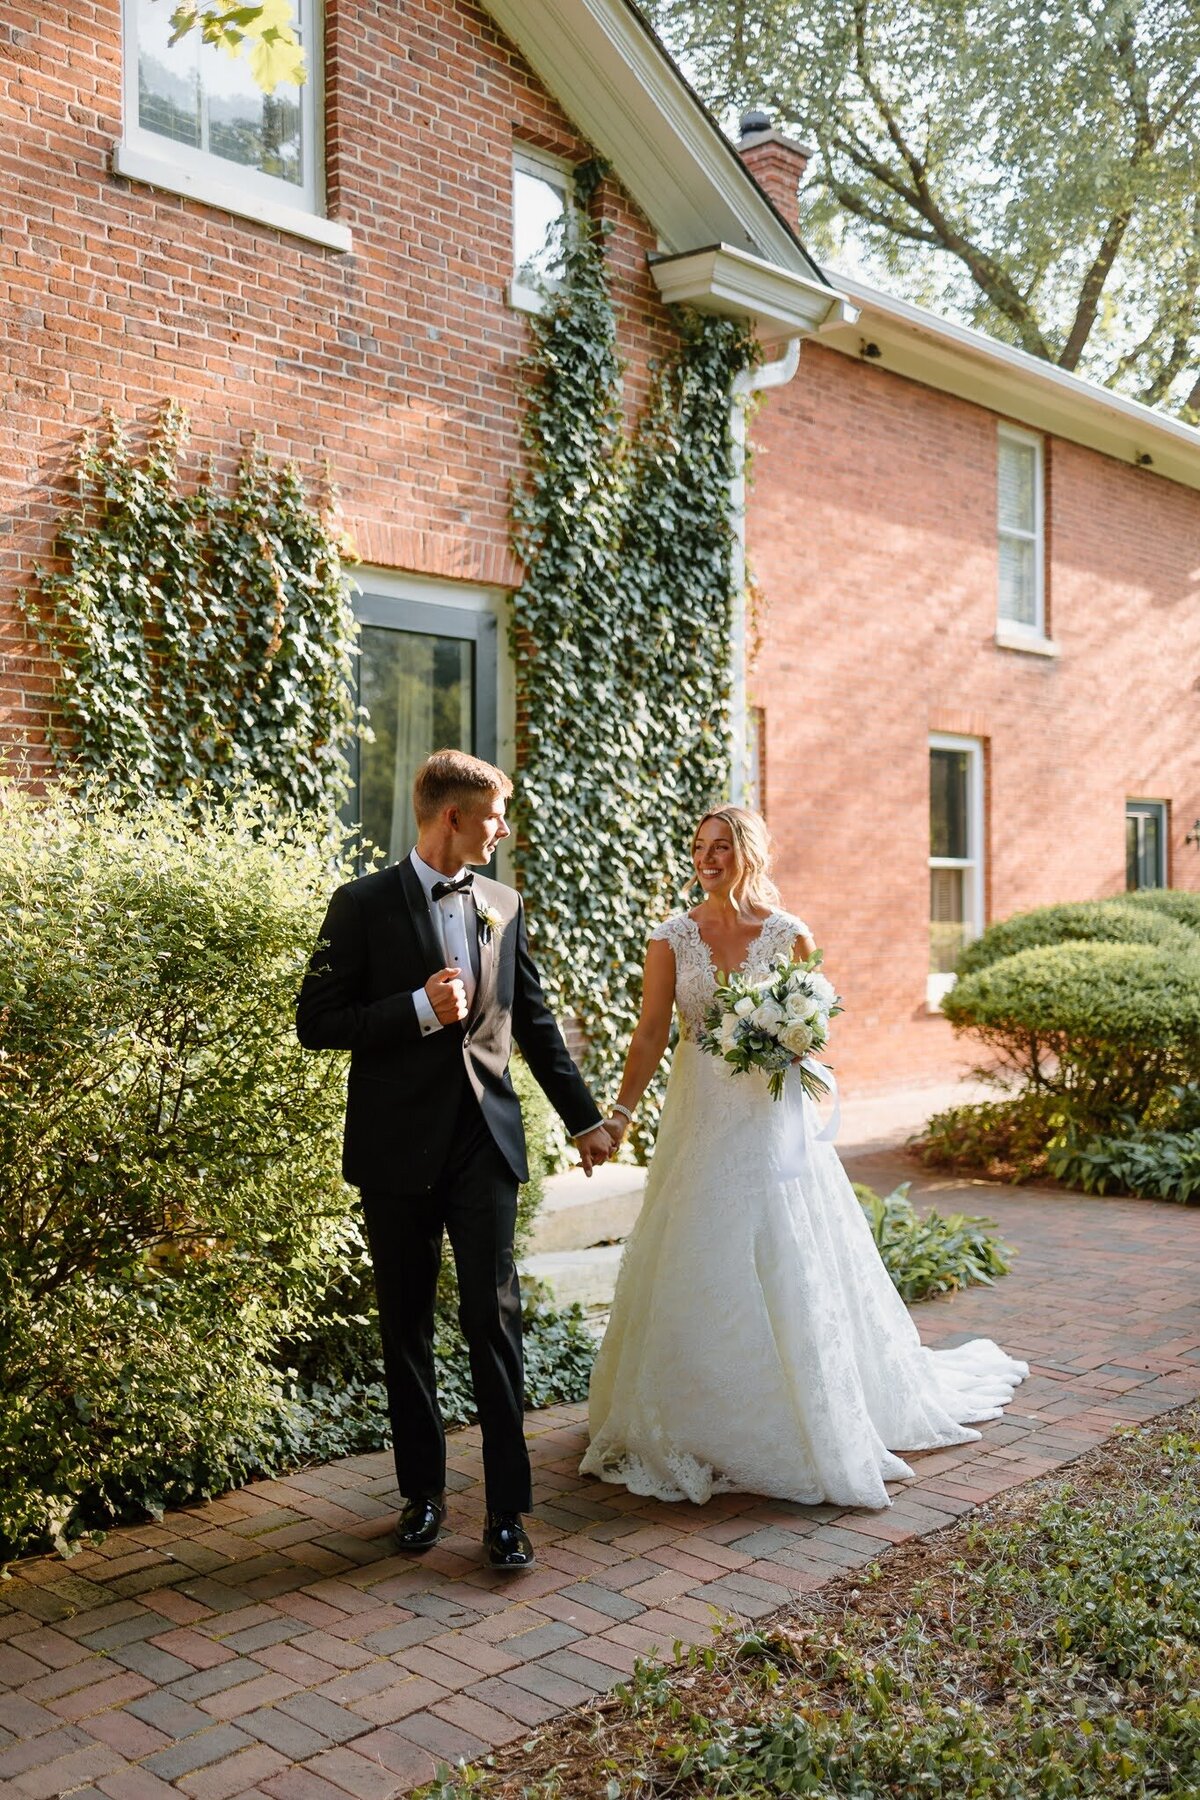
pixel 727 1032
pixel 745 1006
pixel 824 992
pixel 801 1005
pixel 797 1038
pixel 768 1017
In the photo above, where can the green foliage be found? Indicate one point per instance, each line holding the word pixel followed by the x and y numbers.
pixel 1050 1655
pixel 1110 1029
pixel 203 640
pixel 168 1152
pixel 264 30
pixel 1179 904
pixel 947 155
pixel 621 641
pixel 927 1254
pixel 1160 1165
pixel 1008 1139
pixel 1092 921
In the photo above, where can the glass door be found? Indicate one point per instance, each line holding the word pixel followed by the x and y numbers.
pixel 427 681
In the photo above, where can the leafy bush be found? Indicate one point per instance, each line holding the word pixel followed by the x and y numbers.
pixel 1160 1165
pixel 185 1299
pixel 1095 921
pixel 1108 1028
pixel 1007 1139
pixel 927 1254
pixel 1179 904
pixel 170 1196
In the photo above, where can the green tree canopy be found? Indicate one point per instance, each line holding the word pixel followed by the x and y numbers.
pixel 1033 169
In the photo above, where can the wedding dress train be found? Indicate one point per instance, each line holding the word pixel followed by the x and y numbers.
pixel 756 1342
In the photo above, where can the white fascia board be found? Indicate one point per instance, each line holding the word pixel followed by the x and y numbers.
pixel 723 280
pixel 605 67
pixel 955 359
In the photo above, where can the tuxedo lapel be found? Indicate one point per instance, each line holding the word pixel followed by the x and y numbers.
pixel 418 907
pixel 487 956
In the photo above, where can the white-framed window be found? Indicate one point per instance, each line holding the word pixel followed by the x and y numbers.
pixel 542 210
pixel 197 123
pixel 1020 539
pixel 1145 844
pixel 956 839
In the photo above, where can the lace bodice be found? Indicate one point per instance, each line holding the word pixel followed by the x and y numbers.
pixel 695 974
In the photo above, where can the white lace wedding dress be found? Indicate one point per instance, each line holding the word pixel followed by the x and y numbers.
pixel 756 1342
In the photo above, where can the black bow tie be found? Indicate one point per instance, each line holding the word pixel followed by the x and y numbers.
pixel 462 885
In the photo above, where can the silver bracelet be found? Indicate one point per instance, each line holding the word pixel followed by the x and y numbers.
pixel 617 1107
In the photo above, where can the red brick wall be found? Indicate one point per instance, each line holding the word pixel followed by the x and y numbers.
pixel 872 534
pixel 399 363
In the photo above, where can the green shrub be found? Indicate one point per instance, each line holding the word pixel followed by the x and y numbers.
pixel 1008 1139
pixel 1095 921
pixel 168 1153
pixel 1179 904
pixel 1159 1165
pixel 926 1254
pixel 185 1297
pixel 1110 1029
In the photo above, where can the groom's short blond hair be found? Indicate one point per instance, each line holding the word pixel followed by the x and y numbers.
pixel 452 778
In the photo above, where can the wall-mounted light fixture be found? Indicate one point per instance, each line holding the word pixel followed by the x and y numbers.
pixel 869 350
pixel 1193 836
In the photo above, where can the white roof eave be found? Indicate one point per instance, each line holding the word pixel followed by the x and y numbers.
pixel 921 346
pixel 721 279
pixel 603 64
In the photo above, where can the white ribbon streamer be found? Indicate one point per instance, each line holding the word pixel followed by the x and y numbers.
pixel 798 1133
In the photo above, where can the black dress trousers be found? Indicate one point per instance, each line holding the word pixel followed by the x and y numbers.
pixel 474 1199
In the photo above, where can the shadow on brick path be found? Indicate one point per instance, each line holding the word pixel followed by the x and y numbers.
pixel 271 1644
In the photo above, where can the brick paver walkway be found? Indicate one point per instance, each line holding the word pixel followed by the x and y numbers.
pixel 270 1644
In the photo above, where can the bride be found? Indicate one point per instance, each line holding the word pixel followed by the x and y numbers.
pixel 756 1342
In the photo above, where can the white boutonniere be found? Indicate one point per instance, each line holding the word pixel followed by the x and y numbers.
pixel 489 920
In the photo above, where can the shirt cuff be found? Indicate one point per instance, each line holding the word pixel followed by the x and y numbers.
pixel 427 1019
pixel 587 1130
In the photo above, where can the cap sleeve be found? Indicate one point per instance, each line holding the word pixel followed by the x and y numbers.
pixel 670 930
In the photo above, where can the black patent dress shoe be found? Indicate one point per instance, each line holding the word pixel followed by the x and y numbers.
pixel 506 1542
pixel 420 1523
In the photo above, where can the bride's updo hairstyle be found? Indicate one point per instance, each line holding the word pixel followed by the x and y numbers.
pixel 752 886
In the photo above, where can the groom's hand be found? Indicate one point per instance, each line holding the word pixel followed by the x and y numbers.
pixel 594 1148
pixel 447 996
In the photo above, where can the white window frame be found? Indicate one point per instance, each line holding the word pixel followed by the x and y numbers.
pixel 536 162
pixel 146 156
pixel 1134 808
pixel 937 986
pixel 1010 633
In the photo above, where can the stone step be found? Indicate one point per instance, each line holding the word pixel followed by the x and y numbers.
pixel 579 1212
pixel 585 1277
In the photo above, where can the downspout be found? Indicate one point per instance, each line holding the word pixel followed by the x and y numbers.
pixel 751 381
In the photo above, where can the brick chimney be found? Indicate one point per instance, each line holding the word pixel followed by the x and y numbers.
pixel 776 162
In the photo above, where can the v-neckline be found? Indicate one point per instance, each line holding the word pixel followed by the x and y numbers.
pixel 752 946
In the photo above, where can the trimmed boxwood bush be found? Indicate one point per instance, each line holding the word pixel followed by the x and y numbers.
pixel 1112 1028
pixel 1177 903
pixel 1096 921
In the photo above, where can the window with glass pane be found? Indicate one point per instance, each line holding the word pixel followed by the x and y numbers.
pixel 196 98
pixel 1145 844
pixel 541 198
pixel 955 839
pixel 419 693
pixel 1019 512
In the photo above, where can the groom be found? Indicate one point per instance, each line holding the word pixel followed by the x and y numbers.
pixel 423 973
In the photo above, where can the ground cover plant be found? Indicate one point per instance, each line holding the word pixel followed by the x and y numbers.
pixel 1047 1649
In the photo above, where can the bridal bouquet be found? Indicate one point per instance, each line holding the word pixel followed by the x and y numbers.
pixel 767 1022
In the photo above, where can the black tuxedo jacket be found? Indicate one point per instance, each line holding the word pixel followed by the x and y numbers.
pixel 378 946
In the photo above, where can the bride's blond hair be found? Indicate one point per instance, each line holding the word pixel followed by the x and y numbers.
pixel 751 886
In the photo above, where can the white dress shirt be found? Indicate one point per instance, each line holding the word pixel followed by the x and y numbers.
pixel 456 928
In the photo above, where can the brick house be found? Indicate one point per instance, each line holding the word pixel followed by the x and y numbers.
pixel 345 270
